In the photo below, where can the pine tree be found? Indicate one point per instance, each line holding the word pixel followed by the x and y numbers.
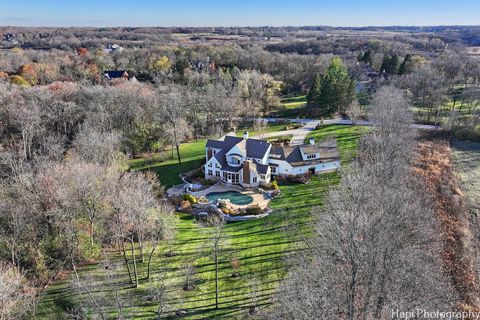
pixel 406 66
pixel 385 63
pixel 393 66
pixel 368 57
pixel 314 92
pixel 337 90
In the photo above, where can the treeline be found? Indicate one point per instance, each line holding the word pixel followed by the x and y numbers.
pixel 376 247
pixel 158 65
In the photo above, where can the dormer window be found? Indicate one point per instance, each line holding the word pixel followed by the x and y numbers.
pixel 311 156
pixel 234 160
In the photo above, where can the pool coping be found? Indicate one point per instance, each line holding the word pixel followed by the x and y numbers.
pixel 259 198
pixel 229 199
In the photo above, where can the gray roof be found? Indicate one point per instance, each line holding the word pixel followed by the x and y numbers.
pixel 257 148
pixel 327 149
pixel 225 143
pixel 253 148
pixel 261 168
pixel 226 167
pixel 220 156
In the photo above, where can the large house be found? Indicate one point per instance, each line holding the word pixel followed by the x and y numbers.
pixel 253 162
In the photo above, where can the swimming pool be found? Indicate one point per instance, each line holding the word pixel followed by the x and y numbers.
pixel 235 197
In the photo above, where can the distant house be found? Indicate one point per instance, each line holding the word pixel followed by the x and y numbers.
pixel 9 37
pixel 113 48
pixel 253 162
pixel 116 74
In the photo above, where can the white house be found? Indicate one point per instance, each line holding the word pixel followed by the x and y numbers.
pixel 253 162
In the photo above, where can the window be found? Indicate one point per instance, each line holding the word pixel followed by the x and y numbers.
pixel 234 161
pixel 311 156
pixel 273 169
pixel 235 178
pixel 217 174
pixel 262 176
pixel 254 180
pixel 210 173
pixel 217 166
pixel 210 164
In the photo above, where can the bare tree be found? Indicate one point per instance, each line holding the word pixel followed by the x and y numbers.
pixel 17 299
pixel 214 227
pixel 188 271
pixel 375 223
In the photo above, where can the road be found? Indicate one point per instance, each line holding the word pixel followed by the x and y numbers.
pixel 309 125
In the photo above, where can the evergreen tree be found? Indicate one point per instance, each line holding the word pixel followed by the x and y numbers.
pixel 385 63
pixel 314 92
pixel 406 66
pixel 390 64
pixel 368 57
pixel 337 89
pixel 393 66
pixel 360 57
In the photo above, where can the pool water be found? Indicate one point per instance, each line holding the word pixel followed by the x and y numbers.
pixel 235 197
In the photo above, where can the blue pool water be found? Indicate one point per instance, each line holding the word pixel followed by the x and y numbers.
pixel 235 197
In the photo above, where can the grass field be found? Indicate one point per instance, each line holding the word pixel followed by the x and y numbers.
pixel 260 245
pixel 291 107
pixel 467 166
pixel 463 110
pixel 347 138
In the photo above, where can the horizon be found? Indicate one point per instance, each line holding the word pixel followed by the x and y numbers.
pixel 216 13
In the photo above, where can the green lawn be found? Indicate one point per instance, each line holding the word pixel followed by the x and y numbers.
pixel 261 246
pixel 294 102
pixel 292 108
pixel 347 138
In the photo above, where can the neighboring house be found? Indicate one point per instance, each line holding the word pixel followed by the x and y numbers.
pixel 117 74
pixel 253 162
pixel 10 37
pixel 113 48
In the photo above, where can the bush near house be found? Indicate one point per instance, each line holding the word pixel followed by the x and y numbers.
pixel 253 210
pixel 189 198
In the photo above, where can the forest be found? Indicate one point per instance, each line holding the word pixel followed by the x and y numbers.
pixel 78 212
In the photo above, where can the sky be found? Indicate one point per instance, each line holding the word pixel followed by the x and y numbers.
pixel 238 12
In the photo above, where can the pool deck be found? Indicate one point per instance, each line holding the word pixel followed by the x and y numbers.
pixel 259 199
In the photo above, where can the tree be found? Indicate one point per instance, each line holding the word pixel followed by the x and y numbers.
pixel 17 300
pixel 214 227
pixel 314 92
pixel 336 90
pixel 355 269
pixel 173 116
pixel 407 65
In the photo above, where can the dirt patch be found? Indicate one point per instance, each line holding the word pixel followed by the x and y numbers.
pixel 434 162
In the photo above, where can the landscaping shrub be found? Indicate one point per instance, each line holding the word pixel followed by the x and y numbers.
pixel 176 200
pixel 275 185
pixel 253 210
pixel 189 198
pixel 185 206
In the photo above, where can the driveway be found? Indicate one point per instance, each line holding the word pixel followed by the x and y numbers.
pixel 309 125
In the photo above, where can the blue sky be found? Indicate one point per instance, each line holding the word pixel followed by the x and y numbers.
pixel 238 13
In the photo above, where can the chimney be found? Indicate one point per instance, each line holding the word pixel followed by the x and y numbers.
pixel 312 141
pixel 245 135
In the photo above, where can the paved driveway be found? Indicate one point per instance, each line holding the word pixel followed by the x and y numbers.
pixel 309 125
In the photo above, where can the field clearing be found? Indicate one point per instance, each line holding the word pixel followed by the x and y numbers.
pixel 260 245
pixel 467 166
